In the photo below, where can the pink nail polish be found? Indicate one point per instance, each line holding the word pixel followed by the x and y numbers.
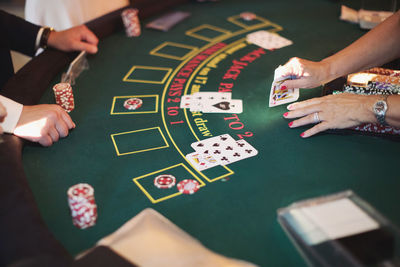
pixel 290 124
pixel 302 134
pixel 285 114
pixel 283 88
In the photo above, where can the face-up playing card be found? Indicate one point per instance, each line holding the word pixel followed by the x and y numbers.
pixel 200 98
pixel 278 95
pixel 201 161
pixel 221 106
pixel 247 149
pixel 212 142
pixel 241 151
pixel 268 40
pixel 224 149
pixel 211 96
pixel 193 101
pixel 186 101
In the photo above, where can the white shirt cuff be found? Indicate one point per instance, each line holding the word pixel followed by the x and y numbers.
pixel 38 37
pixel 14 110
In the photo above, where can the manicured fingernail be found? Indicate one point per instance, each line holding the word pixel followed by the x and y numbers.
pixel 285 114
pixel 283 88
pixel 289 107
pixel 290 124
pixel 302 134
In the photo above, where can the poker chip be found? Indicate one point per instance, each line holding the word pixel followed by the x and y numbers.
pixel 164 181
pixel 82 205
pixel 188 186
pixel 248 16
pixel 64 96
pixel 133 103
pixel 131 22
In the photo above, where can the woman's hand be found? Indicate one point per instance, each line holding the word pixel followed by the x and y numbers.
pixel 331 112
pixel 309 74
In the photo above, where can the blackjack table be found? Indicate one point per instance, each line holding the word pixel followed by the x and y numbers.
pixel 119 152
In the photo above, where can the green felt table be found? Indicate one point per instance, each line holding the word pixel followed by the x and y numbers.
pixel 119 152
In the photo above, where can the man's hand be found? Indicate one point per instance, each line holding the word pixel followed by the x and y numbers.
pixel 44 124
pixel 78 38
pixel 3 114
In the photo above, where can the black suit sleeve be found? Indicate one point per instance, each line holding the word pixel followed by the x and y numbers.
pixel 18 34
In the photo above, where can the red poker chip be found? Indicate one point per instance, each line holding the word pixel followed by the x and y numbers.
pixel 64 96
pixel 188 186
pixel 164 181
pixel 60 87
pixel 248 16
pixel 131 21
pixel 133 103
pixel 82 205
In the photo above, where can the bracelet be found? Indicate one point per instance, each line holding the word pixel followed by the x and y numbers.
pixel 45 37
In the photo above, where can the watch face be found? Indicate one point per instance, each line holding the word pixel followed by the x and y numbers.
pixel 380 107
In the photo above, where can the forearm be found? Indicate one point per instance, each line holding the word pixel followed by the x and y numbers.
pixel 375 48
pixel 367 114
pixel 20 34
pixel 393 112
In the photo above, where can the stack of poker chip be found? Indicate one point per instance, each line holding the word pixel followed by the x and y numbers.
pixel 131 22
pixel 383 71
pixel 133 103
pixel 82 205
pixel 377 128
pixel 64 96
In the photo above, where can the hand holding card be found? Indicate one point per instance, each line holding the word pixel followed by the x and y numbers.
pixel 280 94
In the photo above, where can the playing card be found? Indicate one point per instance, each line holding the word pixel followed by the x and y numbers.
pixel 201 161
pixel 247 149
pixel 222 106
pixel 186 101
pixel 194 101
pixel 279 96
pixel 268 40
pixel 200 99
pixel 224 149
pixel 213 143
pixel 167 21
pixel 241 151
pixel 201 96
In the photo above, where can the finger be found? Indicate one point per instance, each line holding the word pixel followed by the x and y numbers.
pixel 54 134
pixel 320 127
pixel 298 83
pixel 61 128
pixel 1 130
pixel 301 112
pixel 309 119
pixel 89 36
pixel 3 113
pixel 67 119
pixel 45 140
pixel 83 46
pixel 305 103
